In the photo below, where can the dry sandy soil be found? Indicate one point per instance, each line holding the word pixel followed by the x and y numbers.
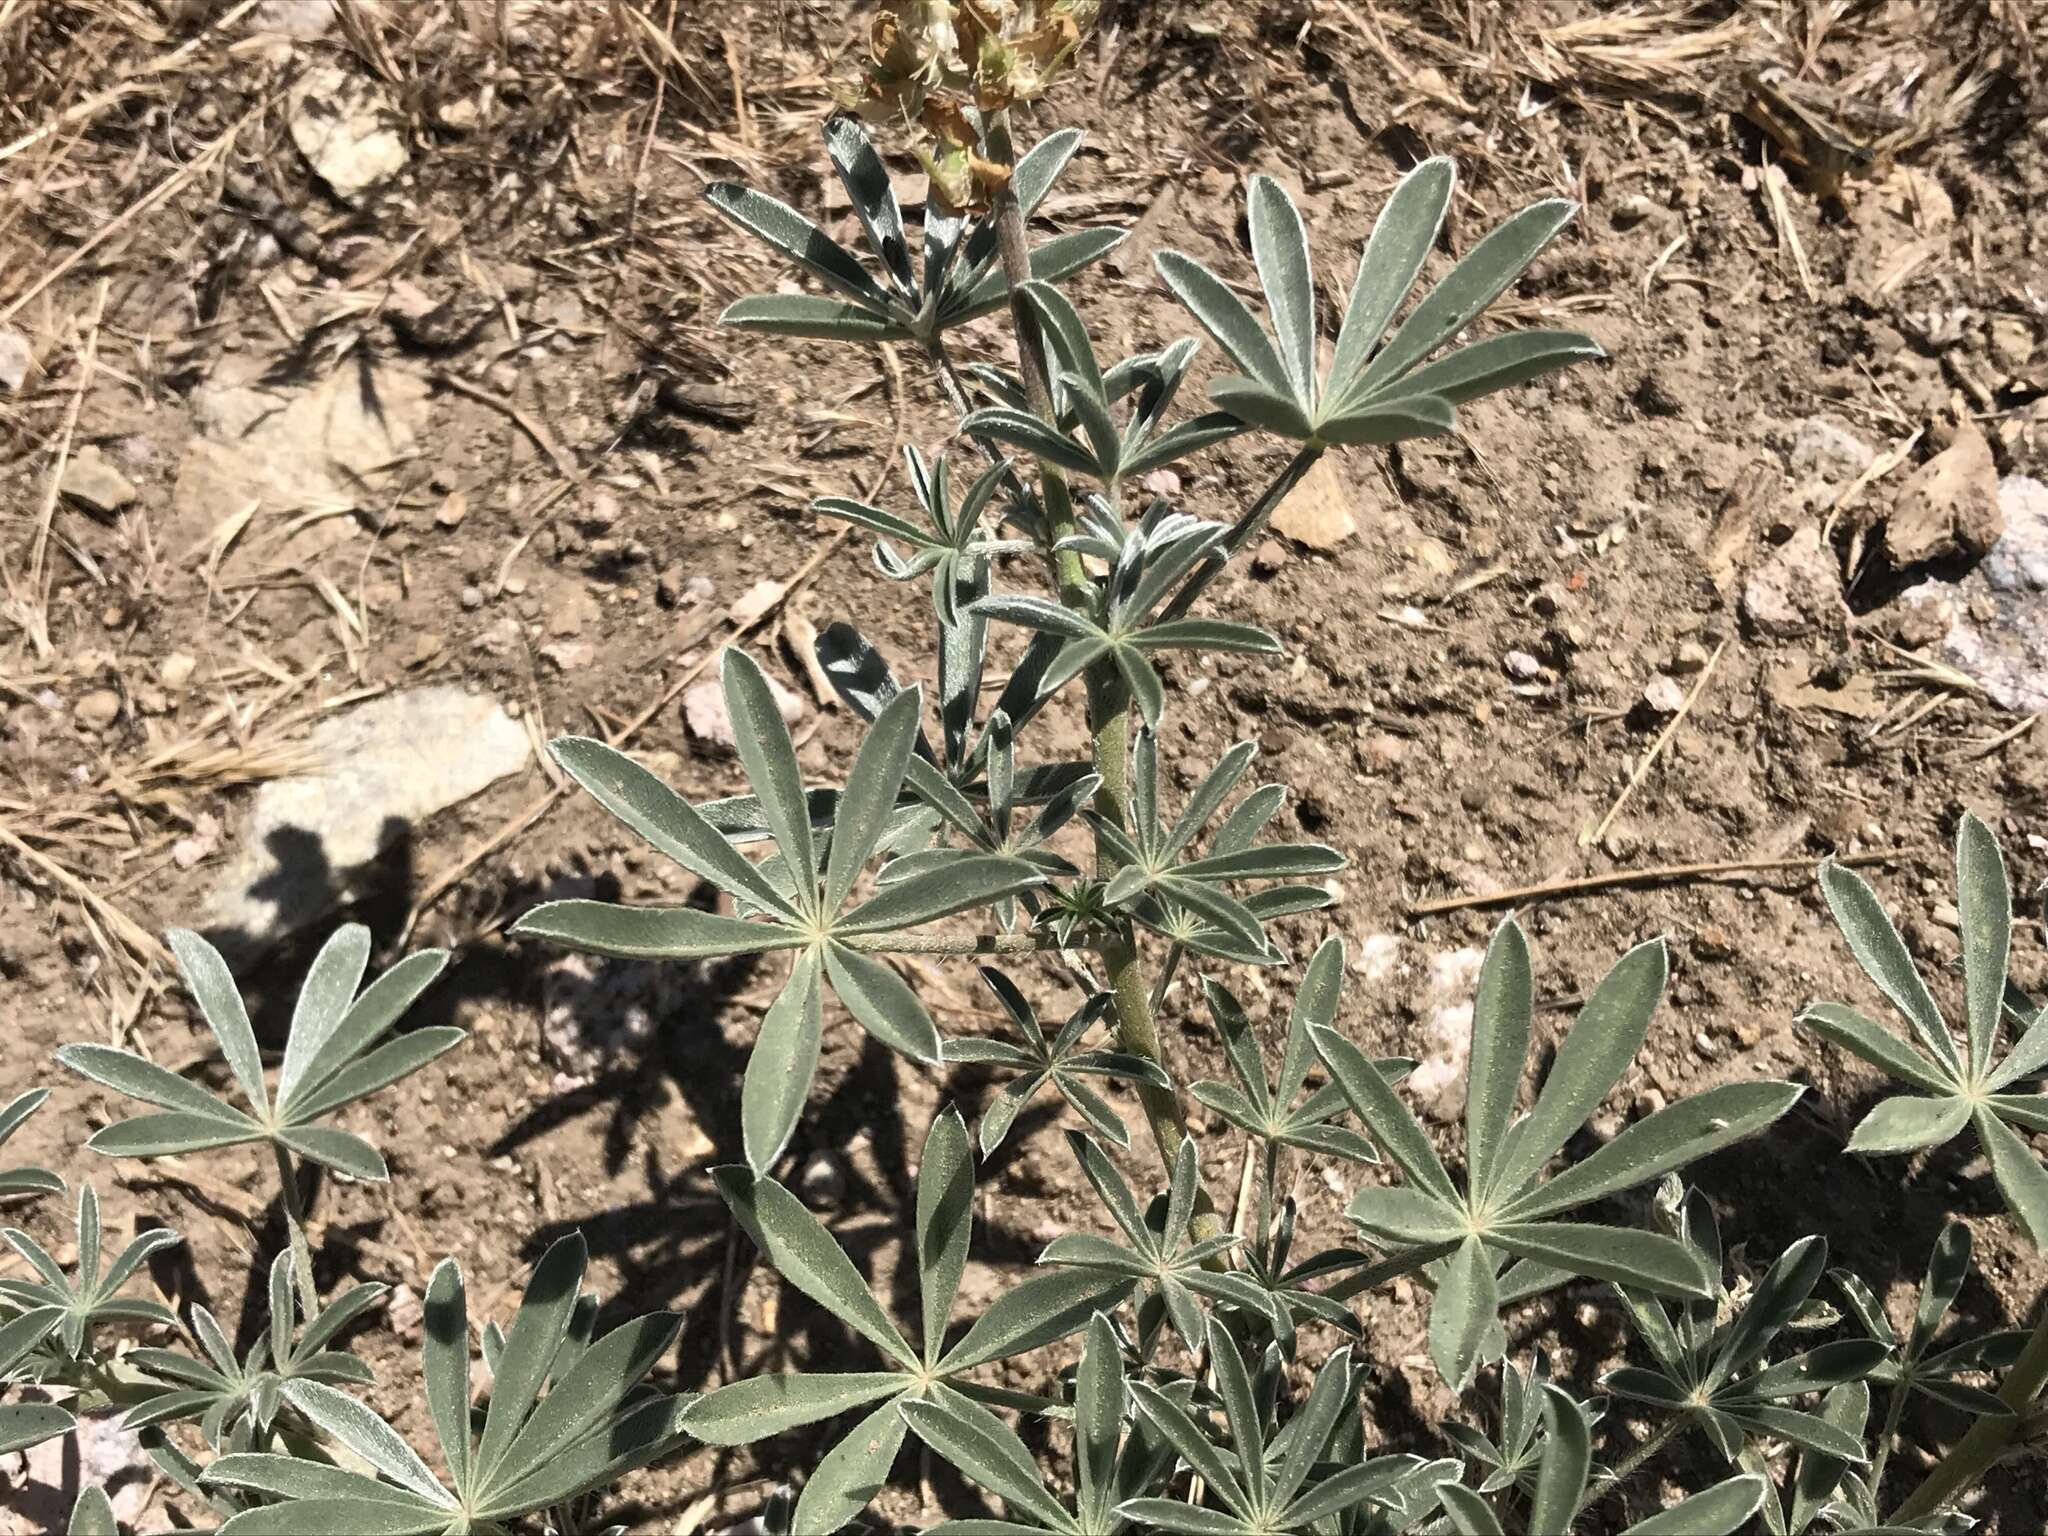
pixel 476 426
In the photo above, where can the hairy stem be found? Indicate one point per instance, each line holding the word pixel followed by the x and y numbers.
pixel 1393 1267
pixel 1243 531
pixel 1137 1025
pixel 1894 1410
pixel 1269 1175
pixel 295 1227
pixel 1977 1452
pixel 947 944
pixel 1631 1464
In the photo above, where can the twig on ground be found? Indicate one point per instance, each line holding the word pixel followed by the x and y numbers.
pixel 34 614
pixel 564 465
pixel 1652 876
pixel 1586 840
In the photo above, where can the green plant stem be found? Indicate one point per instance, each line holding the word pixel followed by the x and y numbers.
pixel 1269 1174
pixel 1977 1452
pixel 1137 1025
pixel 1630 1464
pixel 1243 531
pixel 1391 1268
pixel 1894 1411
pixel 295 1228
pixel 944 944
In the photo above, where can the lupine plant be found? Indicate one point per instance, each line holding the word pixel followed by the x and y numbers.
pixel 1172 1360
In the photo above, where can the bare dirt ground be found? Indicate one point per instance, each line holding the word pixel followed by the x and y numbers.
pixel 277 450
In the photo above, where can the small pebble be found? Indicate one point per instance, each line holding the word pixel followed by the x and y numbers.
pixel 472 597
pixel 1520 664
pixel 97 710
pixel 1711 942
pixel 1664 694
pixel 1690 657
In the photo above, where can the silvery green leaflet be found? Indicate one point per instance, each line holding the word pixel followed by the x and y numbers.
pixel 1168 1358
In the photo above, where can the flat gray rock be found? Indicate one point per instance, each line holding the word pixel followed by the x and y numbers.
pixel 384 768
pixel 1997 615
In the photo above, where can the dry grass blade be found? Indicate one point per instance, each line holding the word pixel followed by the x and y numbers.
pixel 199 763
pixel 1656 875
pixel 33 607
pixel 162 192
pixel 1656 749
pixel 1634 50
pixel 139 941
pixel 84 111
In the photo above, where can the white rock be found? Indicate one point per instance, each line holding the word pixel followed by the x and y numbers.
pixel 1825 450
pixel 94 483
pixel 1996 617
pixel 1521 664
pixel 44 1481
pixel 705 716
pixel 349 131
pixel 1664 694
pixel 384 768
pixel 1438 1081
pixel 755 602
pixel 593 1011
pixel 1378 956
pixel 1795 590
pixel 2018 562
pixel 287 450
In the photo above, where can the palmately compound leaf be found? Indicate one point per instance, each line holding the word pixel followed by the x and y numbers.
pixel 1307 1473
pixel 1970 1086
pixel 962 276
pixel 335 1054
pixel 1159 1250
pixel 1716 1371
pixel 1025 1317
pixel 1169 886
pixel 804 904
pixel 1061 1062
pixel 1507 1214
pixel 1149 562
pixel 956 549
pixel 1085 396
pixel 68 1307
pixel 1377 389
pixel 566 1416
pixel 1279 1112
pixel 1110 1467
pixel 1923 1363
pixel 1563 1469
pixel 222 1392
pixel 1519 1450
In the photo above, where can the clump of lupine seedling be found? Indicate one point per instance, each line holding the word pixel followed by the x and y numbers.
pixel 1221 1377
